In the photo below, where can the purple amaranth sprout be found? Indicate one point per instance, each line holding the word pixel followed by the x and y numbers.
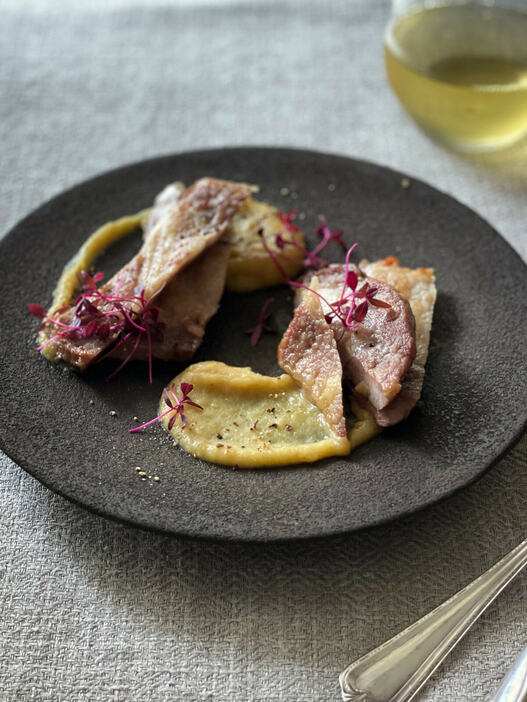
pixel 328 235
pixel 97 314
pixel 261 325
pixel 346 308
pixel 286 219
pixel 312 259
pixel 175 405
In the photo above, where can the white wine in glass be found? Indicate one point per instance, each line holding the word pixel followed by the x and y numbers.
pixel 460 70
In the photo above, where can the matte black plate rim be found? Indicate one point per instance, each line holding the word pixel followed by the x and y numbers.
pixel 20 461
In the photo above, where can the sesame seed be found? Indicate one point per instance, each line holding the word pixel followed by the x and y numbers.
pixel 112 413
pixel 142 474
pixel 405 183
pixel 157 479
pixel 137 469
pixel 92 402
pixel 284 192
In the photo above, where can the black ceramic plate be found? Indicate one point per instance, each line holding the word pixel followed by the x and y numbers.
pixel 57 425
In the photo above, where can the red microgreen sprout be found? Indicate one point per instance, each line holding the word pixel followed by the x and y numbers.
pixel 286 219
pixel 350 312
pixel 37 310
pixel 346 308
pixel 312 259
pixel 328 235
pixel 175 405
pixel 97 314
pixel 280 242
pixel 261 325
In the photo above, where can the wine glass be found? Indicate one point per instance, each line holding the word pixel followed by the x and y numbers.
pixel 460 69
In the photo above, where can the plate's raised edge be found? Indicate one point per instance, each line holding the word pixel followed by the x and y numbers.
pixel 265 538
pixel 254 147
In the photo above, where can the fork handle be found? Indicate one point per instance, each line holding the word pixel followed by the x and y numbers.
pixel 514 687
pixel 396 670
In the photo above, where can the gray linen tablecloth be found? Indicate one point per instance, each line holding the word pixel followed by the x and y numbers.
pixel 95 611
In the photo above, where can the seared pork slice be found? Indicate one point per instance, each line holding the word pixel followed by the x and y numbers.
pixel 377 354
pixel 196 221
pixel 418 287
pixel 166 199
pixel 308 353
pixel 187 303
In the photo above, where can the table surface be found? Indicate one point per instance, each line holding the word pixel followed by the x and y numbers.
pixel 92 610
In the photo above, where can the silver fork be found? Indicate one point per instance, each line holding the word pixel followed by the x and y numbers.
pixel 398 668
pixel 514 687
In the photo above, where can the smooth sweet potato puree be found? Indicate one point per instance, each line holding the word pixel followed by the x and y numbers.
pixel 249 420
pixel 250 266
pixel 83 260
pixel 364 429
pixel 253 421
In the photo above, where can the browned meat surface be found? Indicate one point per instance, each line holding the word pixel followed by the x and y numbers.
pixel 166 199
pixel 187 304
pixel 401 406
pixel 196 221
pixel 308 353
pixel 377 355
pixel 418 287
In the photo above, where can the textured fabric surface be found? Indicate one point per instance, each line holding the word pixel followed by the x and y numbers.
pixel 95 611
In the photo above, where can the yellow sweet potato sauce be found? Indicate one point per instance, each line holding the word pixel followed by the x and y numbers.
pixel 254 421
pixel 365 427
pixel 249 267
pixel 83 260
pixel 248 420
